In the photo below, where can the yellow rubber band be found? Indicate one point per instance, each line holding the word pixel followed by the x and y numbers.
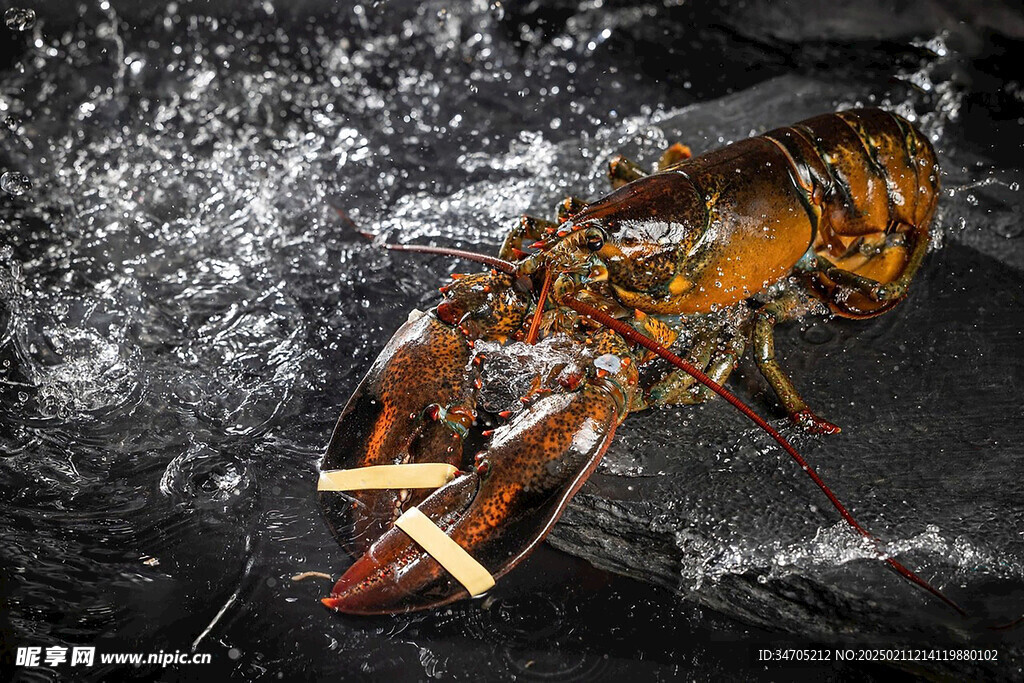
pixel 426 475
pixel 447 552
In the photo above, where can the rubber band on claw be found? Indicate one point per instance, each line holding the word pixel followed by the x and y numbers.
pixel 449 554
pixel 426 475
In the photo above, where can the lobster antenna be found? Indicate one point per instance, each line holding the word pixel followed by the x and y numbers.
pixel 648 343
pixel 531 338
pixel 492 261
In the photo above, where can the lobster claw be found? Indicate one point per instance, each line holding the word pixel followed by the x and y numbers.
pixel 417 402
pixel 408 409
pixel 498 513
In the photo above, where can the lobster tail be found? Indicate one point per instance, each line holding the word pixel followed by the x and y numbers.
pixel 869 182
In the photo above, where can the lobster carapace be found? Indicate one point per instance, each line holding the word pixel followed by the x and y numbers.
pixel 647 296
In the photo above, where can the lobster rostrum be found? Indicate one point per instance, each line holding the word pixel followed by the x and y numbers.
pixel 645 297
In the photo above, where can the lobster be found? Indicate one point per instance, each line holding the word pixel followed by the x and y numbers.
pixel 648 296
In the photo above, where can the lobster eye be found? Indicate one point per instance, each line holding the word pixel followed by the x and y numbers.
pixel 594 238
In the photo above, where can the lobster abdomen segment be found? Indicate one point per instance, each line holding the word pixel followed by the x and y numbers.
pixel 870 182
pixel 866 168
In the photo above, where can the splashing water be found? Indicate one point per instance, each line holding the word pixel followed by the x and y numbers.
pixel 17 19
pixel 14 183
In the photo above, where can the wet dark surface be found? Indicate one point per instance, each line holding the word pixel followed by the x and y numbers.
pixel 183 317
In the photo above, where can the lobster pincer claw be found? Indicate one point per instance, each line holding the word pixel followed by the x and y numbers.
pixel 497 513
pixel 416 404
pixel 413 406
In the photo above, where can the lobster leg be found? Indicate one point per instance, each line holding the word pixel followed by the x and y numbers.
pixel 675 154
pixel 714 354
pixel 528 228
pixel 882 289
pixel 723 362
pixel 569 207
pixel 786 307
pixel 677 386
pixel 622 171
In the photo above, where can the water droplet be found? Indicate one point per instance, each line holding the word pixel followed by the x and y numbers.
pixel 15 183
pixel 609 362
pixel 818 334
pixel 18 19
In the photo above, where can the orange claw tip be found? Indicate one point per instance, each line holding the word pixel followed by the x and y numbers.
pixel 375 585
pixel 814 424
pixel 331 603
pixel 345 606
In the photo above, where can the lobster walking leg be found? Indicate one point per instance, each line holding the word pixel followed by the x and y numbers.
pixel 715 357
pixel 622 171
pixel 675 154
pixel 677 387
pixel 786 307
pixel 569 207
pixel 528 228
pixel 723 362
